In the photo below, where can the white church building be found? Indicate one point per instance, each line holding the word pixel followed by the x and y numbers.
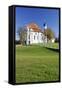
pixel 32 34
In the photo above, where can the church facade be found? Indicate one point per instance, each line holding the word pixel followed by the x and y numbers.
pixel 32 34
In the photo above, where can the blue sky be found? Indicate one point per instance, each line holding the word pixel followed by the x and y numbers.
pixel 26 15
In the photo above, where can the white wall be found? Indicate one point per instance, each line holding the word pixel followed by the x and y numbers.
pixel 35 37
pixel 34 40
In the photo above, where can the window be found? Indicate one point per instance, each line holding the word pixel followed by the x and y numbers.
pixel 36 33
pixel 34 37
pixel 29 37
pixel 37 37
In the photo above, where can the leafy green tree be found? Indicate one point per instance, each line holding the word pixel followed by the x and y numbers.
pixel 49 33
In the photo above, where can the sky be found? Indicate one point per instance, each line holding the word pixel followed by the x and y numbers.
pixel 39 16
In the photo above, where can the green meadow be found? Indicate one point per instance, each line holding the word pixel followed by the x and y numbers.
pixel 36 63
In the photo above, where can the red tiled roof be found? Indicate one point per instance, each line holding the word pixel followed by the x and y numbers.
pixel 34 26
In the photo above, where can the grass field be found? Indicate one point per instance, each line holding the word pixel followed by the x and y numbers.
pixel 36 64
pixel 53 45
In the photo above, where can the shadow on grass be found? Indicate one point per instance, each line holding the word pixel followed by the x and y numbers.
pixel 52 49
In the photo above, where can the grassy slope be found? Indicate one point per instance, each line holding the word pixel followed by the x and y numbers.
pixel 36 63
pixel 53 45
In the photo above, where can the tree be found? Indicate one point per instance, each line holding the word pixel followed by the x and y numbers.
pixel 23 37
pixel 19 31
pixel 49 33
pixel 22 34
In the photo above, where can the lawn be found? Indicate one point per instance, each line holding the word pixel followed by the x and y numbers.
pixel 54 45
pixel 36 64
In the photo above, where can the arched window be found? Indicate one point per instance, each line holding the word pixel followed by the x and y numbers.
pixel 29 37
pixel 34 37
pixel 37 37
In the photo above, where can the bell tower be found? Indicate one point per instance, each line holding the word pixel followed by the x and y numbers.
pixel 45 26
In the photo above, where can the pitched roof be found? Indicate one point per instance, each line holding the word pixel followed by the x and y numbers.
pixel 34 27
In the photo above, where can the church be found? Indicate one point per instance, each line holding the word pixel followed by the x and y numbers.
pixel 32 34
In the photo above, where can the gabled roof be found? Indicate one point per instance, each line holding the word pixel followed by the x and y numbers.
pixel 34 27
